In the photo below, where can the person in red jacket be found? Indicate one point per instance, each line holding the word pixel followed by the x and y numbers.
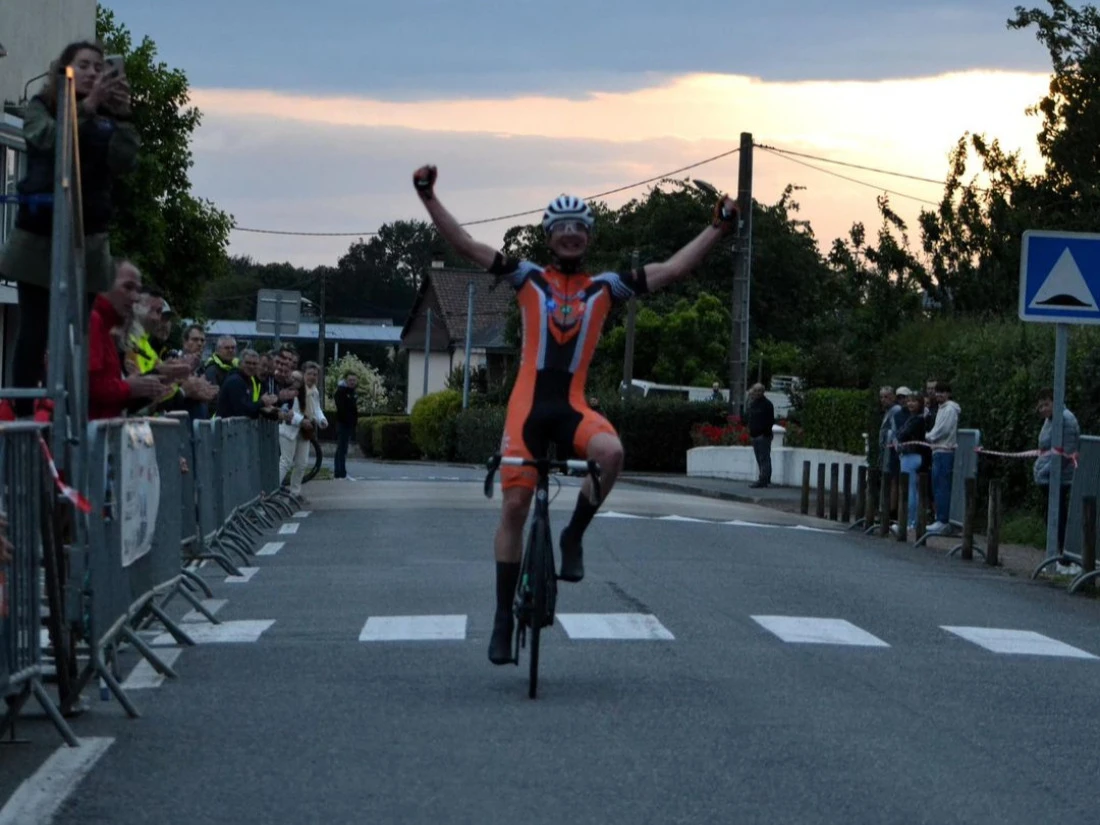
pixel 109 391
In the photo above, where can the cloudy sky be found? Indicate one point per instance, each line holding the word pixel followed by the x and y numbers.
pixel 315 114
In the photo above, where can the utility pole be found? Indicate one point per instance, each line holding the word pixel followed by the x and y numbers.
pixel 742 278
pixel 427 349
pixel 321 336
pixel 628 359
pixel 469 338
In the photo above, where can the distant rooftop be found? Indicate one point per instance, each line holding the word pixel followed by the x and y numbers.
pixel 307 331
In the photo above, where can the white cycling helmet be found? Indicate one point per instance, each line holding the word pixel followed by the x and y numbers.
pixel 567 208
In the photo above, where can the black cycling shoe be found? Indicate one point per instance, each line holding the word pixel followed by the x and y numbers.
pixel 500 645
pixel 572 558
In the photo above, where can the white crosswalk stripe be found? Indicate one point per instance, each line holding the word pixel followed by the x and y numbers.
pixel 812 630
pixel 413 628
pixel 1018 642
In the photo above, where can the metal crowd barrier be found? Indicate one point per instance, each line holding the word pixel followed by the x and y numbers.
pixel 134 540
pixel 1086 484
pixel 24 489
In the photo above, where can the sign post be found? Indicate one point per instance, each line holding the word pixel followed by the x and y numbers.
pixel 278 312
pixel 1059 282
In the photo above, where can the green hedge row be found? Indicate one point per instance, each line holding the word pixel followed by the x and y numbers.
pixel 836 420
pixel 656 434
pixel 386 437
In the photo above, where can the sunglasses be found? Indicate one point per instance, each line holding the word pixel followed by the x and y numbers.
pixel 569 227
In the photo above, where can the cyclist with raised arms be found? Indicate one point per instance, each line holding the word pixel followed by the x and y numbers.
pixel 563 310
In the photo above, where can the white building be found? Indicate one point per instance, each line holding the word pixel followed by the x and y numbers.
pixel 444 294
pixel 32 33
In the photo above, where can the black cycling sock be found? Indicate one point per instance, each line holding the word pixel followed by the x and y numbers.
pixel 582 516
pixel 507 578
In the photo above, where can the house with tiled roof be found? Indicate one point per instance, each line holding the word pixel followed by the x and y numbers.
pixel 444 296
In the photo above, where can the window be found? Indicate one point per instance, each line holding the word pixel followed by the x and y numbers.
pixel 12 163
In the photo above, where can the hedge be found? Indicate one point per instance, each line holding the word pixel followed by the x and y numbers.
pixel 837 419
pixel 393 441
pixel 477 433
pixel 656 434
pixel 365 432
pixel 432 423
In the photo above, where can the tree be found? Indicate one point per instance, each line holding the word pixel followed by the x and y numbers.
pixel 973 238
pixel 179 241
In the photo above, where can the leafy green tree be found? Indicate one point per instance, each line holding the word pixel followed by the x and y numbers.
pixel 178 240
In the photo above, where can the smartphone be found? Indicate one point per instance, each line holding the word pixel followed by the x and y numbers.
pixel 116 67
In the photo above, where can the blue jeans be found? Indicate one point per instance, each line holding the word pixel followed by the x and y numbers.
pixel 910 466
pixel 343 436
pixel 943 465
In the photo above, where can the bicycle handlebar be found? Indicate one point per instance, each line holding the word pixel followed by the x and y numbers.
pixel 572 467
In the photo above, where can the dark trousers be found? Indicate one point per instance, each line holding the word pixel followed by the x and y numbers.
pixel 1063 512
pixel 762 447
pixel 28 363
pixel 343 437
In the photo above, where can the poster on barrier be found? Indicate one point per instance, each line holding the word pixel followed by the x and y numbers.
pixel 139 491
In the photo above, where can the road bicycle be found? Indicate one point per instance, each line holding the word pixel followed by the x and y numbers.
pixel 537 591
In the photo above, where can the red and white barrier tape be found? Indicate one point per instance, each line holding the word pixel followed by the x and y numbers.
pixel 81 503
pixel 996 453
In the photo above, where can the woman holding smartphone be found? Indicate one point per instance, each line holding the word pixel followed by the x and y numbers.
pixel 108 147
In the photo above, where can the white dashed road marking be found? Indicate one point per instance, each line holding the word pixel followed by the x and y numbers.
pixel 289 529
pixel 613 626
pixel 38 799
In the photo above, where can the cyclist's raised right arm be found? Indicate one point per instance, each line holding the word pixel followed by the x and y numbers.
pixel 474 251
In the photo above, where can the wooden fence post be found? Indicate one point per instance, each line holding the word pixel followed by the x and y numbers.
pixel 846 511
pixel 834 491
pixel 821 491
pixel 805 488
pixel 993 538
pixel 904 480
pixel 967 553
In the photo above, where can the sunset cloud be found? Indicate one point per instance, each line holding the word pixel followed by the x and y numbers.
pixel 347 160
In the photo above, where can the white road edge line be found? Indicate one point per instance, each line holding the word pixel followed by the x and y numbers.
pixel 271 548
pixel 37 800
pixel 303 514
pixel 289 529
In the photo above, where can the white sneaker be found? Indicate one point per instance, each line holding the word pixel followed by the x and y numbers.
pixel 937 527
pixel 1066 569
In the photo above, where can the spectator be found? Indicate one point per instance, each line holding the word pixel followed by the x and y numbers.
pixel 1071 440
pixel 108 147
pixel 194 340
pixel 761 418
pixel 222 361
pixel 315 408
pixel 944 439
pixel 240 393
pixel 931 405
pixel 295 434
pixel 716 393
pixel 6 547
pixel 267 373
pixel 347 417
pixel 184 391
pixel 891 423
pixel 915 459
pixel 109 392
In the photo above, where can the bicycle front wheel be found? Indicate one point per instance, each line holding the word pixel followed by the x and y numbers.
pixel 318 458
pixel 542 584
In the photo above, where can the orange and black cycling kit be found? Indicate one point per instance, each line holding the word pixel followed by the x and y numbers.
pixel 562 317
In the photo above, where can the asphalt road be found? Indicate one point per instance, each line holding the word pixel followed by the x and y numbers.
pixel 782 675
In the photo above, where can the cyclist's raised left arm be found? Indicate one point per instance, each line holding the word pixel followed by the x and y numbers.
pixel 474 251
pixel 681 264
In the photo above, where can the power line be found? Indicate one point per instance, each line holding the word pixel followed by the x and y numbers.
pixel 849 179
pixel 792 153
pixel 499 217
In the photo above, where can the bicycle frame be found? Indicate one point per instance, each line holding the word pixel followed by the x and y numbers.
pixel 536 592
